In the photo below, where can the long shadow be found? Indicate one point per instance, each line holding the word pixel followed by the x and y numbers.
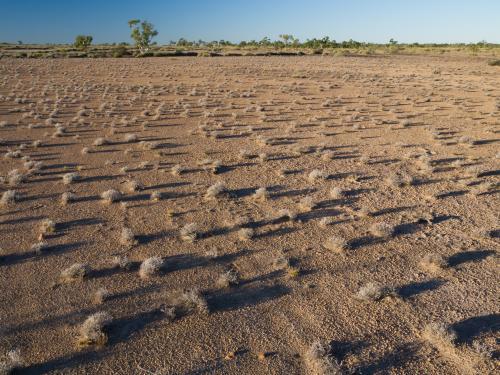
pixel 318 214
pixel 59 166
pixel 168 185
pixel 79 223
pixel 73 317
pixel 147 238
pixel 276 232
pixel 181 262
pixel 245 297
pixel 122 329
pixel 443 218
pixel 494 233
pixel 262 278
pixel 455 193
pixel 63 363
pixel 216 232
pixel 11 259
pixel 108 272
pixel 241 193
pixel 340 349
pixel 135 198
pixel 98 178
pixel 360 242
pixel 486 141
pixel 293 193
pixel 412 289
pixel 36 197
pixel 89 198
pixel 391 210
pixel 402 354
pixel 46 179
pixel 407 228
pixel 469 256
pixel 231 257
pixel 470 328
pixel 172 195
pixel 107 151
pixel 421 181
pixel 489 173
pixel 22 220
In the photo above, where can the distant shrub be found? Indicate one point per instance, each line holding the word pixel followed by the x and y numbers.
pixel 494 63
pixel 120 51
pixel 83 41
pixel 145 54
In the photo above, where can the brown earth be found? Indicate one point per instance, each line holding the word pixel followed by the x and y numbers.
pixel 412 142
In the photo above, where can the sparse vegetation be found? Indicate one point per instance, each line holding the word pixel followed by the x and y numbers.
pixel 320 361
pixel 93 331
pixel 276 190
pixel 151 267
pixel 75 272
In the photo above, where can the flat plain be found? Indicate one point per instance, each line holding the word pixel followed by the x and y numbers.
pixel 251 215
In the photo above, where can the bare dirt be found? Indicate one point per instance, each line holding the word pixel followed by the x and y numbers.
pixel 412 142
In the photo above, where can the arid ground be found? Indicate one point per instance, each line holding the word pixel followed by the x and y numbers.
pixel 303 215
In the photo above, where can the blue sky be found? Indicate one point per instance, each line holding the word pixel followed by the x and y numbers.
pixel 59 21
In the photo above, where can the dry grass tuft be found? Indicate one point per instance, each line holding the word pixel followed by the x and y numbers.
pixel 12 363
pixel 317 175
pixel 261 194
pixel 245 234
pixel 381 230
pixel 111 196
pixel 281 262
pixel 121 261
pixel 47 226
pixel 67 198
pixel 133 186
pixel 151 267
pixel 336 193
pixel 39 247
pixel 228 279
pixel 320 361
pixel 189 301
pixel 69 178
pixel 127 237
pixel 9 197
pixel 75 272
pixel 285 214
pixel 439 335
pixel 374 292
pixel 336 244
pixel 307 204
pixel 188 232
pixel 93 330
pixel 101 295
pixel 215 191
pixel 433 263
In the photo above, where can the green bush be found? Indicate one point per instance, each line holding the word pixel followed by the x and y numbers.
pixel 83 41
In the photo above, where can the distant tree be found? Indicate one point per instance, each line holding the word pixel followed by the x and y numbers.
pixel 83 41
pixel 265 41
pixel 20 42
pixel 142 33
pixel 393 42
pixel 286 38
pixel 182 42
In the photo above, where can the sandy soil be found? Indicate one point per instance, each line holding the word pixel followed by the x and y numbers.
pixel 411 143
